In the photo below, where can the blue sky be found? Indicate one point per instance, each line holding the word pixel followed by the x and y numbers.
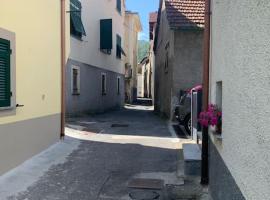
pixel 143 7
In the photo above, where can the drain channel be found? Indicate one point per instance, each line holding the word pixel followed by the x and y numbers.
pixel 144 195
pixel 119 125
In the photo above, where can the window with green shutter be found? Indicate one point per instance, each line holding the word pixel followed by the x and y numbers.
pixel 119 5
pixel 76 25
pixel 5 93
pixel 118 46
pixel 119 49
pixel 106 35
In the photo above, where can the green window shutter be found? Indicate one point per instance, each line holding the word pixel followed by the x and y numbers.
pixel 118 46
pixel 76 4
pixel 119 5
pixel 76 25
pixel 5 93
pixel 106 34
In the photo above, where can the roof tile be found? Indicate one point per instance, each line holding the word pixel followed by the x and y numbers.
pixel 185 14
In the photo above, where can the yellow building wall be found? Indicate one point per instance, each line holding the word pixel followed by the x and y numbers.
pixel 37 28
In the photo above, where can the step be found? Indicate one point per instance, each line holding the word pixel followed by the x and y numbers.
pixel 192 159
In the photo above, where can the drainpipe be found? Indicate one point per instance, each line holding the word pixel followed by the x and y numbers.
pixel 206 54
pixel 63 66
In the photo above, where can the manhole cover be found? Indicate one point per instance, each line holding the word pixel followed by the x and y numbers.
pixel 144 195
pixel 119 125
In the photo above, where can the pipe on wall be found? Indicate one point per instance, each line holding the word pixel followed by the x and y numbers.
pixel 206 54
pixel 63 65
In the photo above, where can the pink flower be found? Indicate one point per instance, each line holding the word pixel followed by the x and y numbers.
pixel 210 117
pixel 205 123
pixel 214 121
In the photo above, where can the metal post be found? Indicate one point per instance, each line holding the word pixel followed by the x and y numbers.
pixel 205 137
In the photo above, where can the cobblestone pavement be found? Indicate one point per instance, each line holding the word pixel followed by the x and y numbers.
pixel 114 147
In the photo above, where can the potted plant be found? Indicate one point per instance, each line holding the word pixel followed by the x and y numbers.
pixel 212 117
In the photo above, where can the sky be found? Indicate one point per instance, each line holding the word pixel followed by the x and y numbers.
pixel 143 7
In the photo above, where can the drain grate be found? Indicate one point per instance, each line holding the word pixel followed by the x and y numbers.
pixel 119 125
pixel 144 195
pixel 141 183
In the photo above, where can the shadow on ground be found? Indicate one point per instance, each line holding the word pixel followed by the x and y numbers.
pixel 100 170
pixel 108 157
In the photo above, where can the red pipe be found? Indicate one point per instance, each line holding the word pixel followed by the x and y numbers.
pixel 206 54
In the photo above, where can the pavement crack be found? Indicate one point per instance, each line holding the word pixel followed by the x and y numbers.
pixel 103 184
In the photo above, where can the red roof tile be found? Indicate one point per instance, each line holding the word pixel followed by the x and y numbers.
pixel 185 14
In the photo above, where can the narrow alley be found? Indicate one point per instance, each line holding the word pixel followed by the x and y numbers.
pixel 134 100
pixel 114 149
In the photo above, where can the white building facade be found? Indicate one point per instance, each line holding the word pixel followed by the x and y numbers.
pixel 95 70
pixel 132 28
pixel 239 85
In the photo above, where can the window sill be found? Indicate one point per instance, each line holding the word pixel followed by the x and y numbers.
pixel 216 138
pixel 8 111
pixel 106 51
pixel 7 108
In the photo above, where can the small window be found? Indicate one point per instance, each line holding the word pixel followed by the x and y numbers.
pixel 118 85
pixel 103 84
pixel 5 76
pixel 219 95
pixel 219 106
pixel 75 73
pixel 76 25
pixel 119 6
pixel 166 65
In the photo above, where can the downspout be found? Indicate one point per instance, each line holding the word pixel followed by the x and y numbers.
pixel 63 66
pixel 206 54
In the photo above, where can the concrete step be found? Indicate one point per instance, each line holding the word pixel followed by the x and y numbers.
pixel 144 101
pixel 192 159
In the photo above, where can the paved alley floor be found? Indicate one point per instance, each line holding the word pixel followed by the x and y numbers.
pixel 113 148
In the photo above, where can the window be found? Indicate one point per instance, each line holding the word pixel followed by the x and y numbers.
pixel 103 84
pixel 166 65
pixel 106 35
pixel 219 106
pixel 5 69
pixel 76 25
pixel 75 77
pixel 119 49
pixel 118 85
pixel 119 5
pixel 219 95
pixel 118 46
